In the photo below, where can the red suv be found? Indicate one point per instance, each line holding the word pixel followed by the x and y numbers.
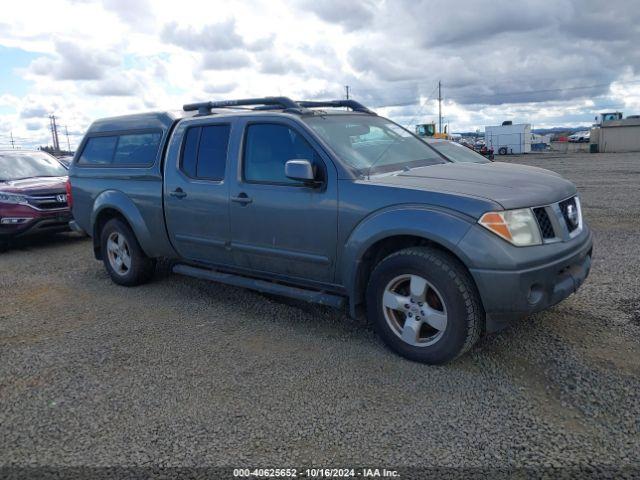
pixel 33 196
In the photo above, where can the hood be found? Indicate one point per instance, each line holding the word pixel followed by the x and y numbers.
pixel 512 186
pixel 34 185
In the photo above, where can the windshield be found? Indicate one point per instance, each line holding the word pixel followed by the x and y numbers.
pixel 458 153
pixel 14 166
pixel 371 144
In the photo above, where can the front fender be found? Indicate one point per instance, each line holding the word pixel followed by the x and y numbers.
pixel 116 200
pixel 444 227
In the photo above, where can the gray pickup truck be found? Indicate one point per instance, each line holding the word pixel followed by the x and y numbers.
pixel 328 202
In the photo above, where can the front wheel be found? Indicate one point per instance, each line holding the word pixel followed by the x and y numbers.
pixel 123 258
pixel 424 305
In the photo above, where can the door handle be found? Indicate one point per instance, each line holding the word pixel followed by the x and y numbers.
pixel 178 193
pixel 242 198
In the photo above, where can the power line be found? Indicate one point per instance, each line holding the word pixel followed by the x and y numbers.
pixel 548 90
pixel 415 85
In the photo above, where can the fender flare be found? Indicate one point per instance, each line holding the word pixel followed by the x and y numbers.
pixel 116 200
pixel 444 227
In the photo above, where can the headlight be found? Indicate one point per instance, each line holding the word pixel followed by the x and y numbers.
pixel 516 226
pixel 13 198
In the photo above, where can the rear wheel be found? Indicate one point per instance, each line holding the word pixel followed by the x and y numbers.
pixel 424 305
pixel 123 258
pixel 502 150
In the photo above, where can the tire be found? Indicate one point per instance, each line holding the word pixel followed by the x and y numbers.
pixel 138 269
pixel 502 151
pixel 450 301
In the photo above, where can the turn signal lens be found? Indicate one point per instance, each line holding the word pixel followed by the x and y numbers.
pixel 495 222
pixel 518 227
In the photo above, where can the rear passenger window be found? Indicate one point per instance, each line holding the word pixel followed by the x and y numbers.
pixel 190 151
pixel 122 150
pixel 98 150
pixel 204 153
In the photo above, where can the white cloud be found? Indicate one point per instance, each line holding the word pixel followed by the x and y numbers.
pixel 225 60
pixel 72 62
pixel 211 37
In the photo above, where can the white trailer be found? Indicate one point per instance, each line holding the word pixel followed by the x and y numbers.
pixel 507 139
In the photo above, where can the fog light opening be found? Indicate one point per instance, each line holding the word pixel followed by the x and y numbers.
pixel 535 294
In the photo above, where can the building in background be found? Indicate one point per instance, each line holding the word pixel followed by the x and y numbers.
pixel 617 135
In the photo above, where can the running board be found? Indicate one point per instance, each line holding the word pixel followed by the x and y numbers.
pixel 261 285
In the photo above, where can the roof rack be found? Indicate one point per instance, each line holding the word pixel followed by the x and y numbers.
pixel 204 108
pixel 272 103
pixel 352 104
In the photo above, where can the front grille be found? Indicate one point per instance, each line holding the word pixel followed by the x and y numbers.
pixel 544 222
pixel 569 209
pixel 48 202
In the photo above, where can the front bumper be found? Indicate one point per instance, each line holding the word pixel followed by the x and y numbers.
pixel 512 294
pixel 50 222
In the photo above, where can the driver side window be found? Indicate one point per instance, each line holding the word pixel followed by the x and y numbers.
pixel 268 147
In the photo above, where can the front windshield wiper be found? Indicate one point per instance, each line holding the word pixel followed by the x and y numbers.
pixel 407 168
pixel 37 176
pixel 31 176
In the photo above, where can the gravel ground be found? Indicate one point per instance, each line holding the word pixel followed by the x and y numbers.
pixel 182 372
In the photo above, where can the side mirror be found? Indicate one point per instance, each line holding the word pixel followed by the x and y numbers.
pixel 301 170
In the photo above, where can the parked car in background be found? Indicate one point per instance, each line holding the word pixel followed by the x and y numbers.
pixel 65 160
pixel 580 137
pixel 456 152
pixel 466 142
pixel 343 208
pixel 33 197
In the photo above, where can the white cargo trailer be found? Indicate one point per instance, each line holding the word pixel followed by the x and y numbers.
pixel 507 139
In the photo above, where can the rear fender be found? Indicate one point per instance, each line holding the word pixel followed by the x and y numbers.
pixel 118 201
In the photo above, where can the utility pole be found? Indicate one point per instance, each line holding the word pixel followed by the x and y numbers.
pixel 346 87
pixel 53 139
pixel 439 107
pixel 54 133
pixel 13 144
pixel 66 132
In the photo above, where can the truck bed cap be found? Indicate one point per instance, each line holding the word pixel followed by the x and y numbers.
pixel 138 121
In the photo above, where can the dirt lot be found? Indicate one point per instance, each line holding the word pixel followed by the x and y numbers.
pixel 185 372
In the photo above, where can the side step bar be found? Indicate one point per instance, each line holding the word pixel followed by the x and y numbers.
pixel 261 285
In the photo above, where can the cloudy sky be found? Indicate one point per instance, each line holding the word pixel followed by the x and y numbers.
pixel 549 63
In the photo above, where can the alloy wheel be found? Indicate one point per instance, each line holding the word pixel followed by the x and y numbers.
pixel 414 310
pixel 119 253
